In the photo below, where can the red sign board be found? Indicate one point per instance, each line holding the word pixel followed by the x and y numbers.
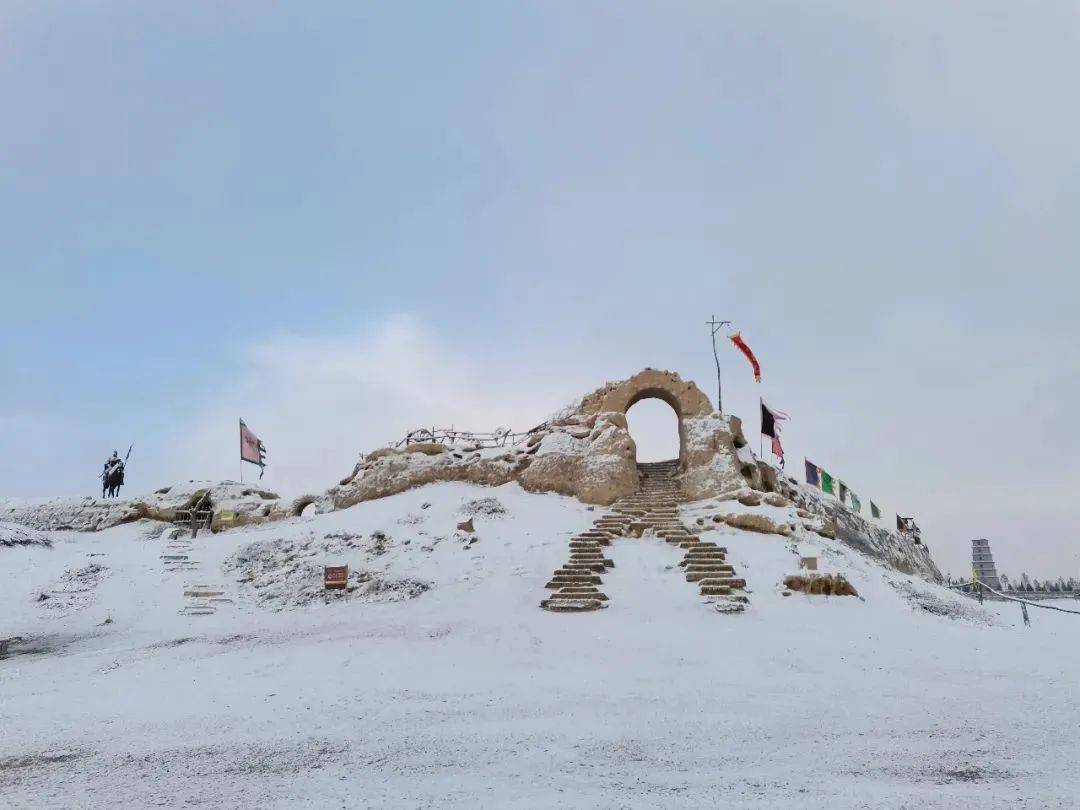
pixel 335 577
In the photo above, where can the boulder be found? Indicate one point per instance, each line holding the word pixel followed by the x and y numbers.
pixel 757 523
pixel 820 584
pixel 775 499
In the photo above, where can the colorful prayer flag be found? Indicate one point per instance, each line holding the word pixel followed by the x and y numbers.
pixel 875 511
pixel 813 473
pixel 843 492
pixel 741 345
pixel 856 504
pixel 827 483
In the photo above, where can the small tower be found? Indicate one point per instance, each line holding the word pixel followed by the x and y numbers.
pixel 982 563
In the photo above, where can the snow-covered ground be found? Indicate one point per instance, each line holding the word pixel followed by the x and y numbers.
pixel 440 681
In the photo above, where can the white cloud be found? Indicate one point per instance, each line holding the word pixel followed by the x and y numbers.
pixel 318 402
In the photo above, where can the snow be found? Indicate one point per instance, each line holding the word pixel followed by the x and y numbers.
pixel 468 694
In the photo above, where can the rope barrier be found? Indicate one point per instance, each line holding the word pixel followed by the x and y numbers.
pixel 982 584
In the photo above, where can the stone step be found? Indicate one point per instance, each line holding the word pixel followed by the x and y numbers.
pixel 713 579
pixel 709 573
pixel 698 576
pixel 580 593
pixel 719 558
pixel 569 579
pixel 715 590
pixel 590 566
pixel 734 602
pixel 571 605
pixel 203 593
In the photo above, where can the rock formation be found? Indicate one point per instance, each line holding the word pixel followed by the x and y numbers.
pixel 585 452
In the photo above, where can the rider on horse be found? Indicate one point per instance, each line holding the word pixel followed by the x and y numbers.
pixel 113 474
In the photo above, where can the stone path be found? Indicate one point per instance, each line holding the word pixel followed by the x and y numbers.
pixel 654 509
pixel 200 599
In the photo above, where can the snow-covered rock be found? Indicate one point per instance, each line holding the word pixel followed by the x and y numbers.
pixel 14 534
pixel 242 503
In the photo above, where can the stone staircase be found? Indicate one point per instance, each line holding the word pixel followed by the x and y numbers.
pixel 203 600
pixel 653 510
pixel 199 599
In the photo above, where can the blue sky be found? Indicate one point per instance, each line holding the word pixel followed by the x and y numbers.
pixel 337 219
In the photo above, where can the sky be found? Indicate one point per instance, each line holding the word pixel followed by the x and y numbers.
pixel 341 221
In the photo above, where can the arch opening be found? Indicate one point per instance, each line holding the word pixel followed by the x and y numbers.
pixel 654 426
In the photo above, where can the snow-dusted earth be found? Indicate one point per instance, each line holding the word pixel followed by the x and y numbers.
pixel 440 681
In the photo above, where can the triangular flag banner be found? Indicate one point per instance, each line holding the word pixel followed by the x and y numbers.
pixel 813 473
pixel 875 511
pixel 856 504
pixel 827 483
pixel 741 345
pixel 843 492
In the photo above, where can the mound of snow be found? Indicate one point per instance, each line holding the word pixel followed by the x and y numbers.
pixel 13 534
pixel 285 573
pixel 483 507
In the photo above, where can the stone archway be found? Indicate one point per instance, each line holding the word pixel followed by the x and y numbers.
pixel 584 451
pixel 713 456
pixel 685 398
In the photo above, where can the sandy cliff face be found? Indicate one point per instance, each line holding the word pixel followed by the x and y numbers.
pixel 587 456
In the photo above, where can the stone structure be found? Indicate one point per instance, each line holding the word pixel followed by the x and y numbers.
pixel 982 563
pixel 586 451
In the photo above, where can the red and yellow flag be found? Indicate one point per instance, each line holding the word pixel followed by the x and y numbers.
pixel 741 344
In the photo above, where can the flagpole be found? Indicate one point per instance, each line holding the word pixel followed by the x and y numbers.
pixel 715 324
pixel 241 452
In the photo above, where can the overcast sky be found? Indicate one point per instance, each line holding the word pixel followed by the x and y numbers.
pixel 344 220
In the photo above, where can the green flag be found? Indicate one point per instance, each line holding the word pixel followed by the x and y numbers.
pixel 827 483
pixel 874 510
pixel 856 504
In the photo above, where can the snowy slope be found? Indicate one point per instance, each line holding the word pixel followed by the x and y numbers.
pixel 464 692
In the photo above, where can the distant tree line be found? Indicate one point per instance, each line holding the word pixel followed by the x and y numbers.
pixel 1028 585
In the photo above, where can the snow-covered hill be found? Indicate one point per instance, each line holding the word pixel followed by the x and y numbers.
pixel 154 670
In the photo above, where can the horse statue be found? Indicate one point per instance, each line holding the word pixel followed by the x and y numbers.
pixel 112 478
